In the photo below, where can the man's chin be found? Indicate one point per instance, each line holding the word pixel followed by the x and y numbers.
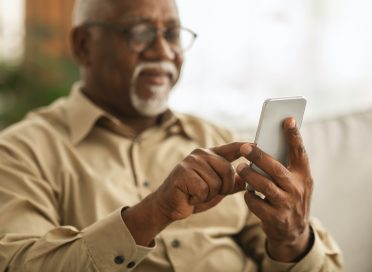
pixel 149 107
pixel 152 91
pixel 150 112
pixel 150 100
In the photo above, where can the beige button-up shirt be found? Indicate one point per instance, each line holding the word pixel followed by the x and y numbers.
pixel 66 172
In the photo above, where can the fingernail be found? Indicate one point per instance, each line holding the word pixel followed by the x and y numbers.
pixel 243 169
pixel 245 149
pixel 291 123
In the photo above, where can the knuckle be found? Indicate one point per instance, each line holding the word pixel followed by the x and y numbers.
pixel 304 187
pixel 295 132
pixel 198 151
pixel 180 169
pixel 192 158
pixel 294 136
pixel 198 190
pixel 298 195
pixel 301 151
pixel 180 166
pixel 283 221
pixel 256 154
pixel 271 191
pixel 302 225
pixel 203 189
pixel 279 171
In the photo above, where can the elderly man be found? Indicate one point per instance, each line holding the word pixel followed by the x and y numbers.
pixel 109 179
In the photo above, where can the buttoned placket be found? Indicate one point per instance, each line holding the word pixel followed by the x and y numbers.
pixel 137 149
pixel 134 155
pixel 143 182
pixel 135 162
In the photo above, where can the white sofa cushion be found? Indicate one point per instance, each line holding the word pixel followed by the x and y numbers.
pixel 340 151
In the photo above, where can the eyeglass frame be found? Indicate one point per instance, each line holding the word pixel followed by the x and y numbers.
pixel 125 31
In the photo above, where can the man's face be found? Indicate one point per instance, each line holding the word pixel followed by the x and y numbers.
pixel 127 82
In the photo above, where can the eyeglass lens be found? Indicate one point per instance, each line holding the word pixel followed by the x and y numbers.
pixel 142 36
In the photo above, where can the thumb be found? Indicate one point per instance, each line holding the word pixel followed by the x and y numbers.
pixel 240 184
pixel 230 152
pixel 297 153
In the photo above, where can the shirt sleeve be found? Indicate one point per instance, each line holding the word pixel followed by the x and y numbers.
pixel 324 255
pixel 120 252
pixel 32 239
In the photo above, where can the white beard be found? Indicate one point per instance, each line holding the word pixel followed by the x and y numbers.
pixel 153 106
pixel 158 102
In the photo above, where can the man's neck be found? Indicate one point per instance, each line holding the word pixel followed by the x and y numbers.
pixel 136 122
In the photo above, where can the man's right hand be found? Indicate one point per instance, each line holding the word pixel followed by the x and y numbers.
pixel 199 182
pixel 196 184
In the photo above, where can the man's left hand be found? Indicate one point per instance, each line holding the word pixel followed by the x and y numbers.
pixel 284 211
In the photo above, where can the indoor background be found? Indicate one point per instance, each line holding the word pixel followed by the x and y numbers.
pixel 246 52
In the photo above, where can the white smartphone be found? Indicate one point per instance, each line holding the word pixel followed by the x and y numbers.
pixel 270 134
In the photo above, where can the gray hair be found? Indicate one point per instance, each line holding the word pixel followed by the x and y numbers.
pixel 85 10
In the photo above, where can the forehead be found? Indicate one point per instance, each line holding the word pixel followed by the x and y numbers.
pixel 153 10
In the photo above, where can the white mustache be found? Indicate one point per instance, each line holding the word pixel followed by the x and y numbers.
pixel 164 66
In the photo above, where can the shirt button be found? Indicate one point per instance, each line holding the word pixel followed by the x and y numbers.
pixel 176 243
pixel 131 264
pixel 119 259
pixel 146 183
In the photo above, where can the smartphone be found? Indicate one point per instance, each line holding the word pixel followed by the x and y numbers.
pixel 270 134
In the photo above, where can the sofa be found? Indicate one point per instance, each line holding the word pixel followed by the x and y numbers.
pixel 340 152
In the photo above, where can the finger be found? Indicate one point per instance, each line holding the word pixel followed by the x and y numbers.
pixel 262 184
pixel 196 189
pixel 220 166
pixel 210 182
pixel 226 173
pixel 278 172
pixel 297 156
pixel 239 184
pixel 259 207
pixel 229 152
pixel 216 171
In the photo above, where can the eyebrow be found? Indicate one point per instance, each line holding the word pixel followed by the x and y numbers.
pixel 133 19
pixel 140 19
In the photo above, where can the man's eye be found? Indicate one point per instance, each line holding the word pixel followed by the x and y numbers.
pixel 142 32
pixel 172 35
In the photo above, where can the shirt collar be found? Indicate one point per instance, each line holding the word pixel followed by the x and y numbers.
pixel 83 114
pixel 172 123
pixel 187 127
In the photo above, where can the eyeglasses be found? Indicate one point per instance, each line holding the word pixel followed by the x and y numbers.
pixel 142 36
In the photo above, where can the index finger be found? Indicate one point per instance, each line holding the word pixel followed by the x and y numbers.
pixel 230 152
pixel 297 156
pixel 277 172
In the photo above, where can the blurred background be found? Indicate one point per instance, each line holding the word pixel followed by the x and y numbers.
pixel 36 66
pixel 246 52
pixel 250 50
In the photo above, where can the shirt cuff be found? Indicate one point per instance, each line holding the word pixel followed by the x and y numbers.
pixel 111 245
pixel 312 261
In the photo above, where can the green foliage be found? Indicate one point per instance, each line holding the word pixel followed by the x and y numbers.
pixel 33 84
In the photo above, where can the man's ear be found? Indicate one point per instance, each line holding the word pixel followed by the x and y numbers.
pixel 80 41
